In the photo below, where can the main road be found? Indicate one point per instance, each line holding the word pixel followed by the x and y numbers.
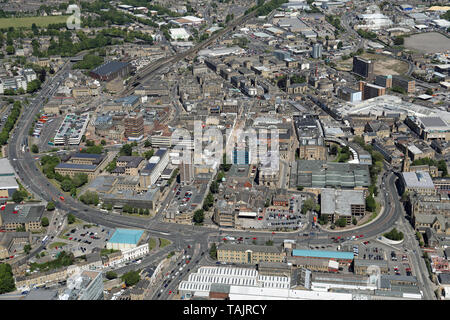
pixel 25 166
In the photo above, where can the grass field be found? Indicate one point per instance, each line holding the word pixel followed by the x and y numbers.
pixel 57 244
pixel 28 21
pixel 151 244
pixel 163 242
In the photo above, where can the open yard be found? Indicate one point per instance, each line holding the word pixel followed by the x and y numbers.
pixel 429 42
pixel 28 21
pixel 383 65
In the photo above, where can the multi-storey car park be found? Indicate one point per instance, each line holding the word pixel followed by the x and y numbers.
pixel 71 129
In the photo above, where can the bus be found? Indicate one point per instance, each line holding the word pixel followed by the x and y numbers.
pixel 45 239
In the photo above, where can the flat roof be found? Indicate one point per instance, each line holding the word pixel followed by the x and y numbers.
pixel 433 122
pixel 419 179
pixel 109 67
pixel 6 168
pixel 75 166
pixel 127 236
pixel 322 254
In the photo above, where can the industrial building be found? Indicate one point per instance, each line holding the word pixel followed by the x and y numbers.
pixel 111 70
pixel 322 174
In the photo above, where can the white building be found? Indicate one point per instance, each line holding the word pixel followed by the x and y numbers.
pixel 179 34
pixel 156 165
pixel 29 75
pixel 130 254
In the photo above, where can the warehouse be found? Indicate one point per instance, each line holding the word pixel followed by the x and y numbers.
pixel 111 70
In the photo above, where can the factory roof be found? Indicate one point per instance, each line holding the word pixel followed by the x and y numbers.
pixel 110 67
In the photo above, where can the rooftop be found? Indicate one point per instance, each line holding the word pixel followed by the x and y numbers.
pixel 322 254
pixel 127 236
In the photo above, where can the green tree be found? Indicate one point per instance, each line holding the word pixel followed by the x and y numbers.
pixel 147 143
pixel 214 187
pixel 300 188
pixel 394 234
pixel 7 283
pixel 354 221
pixel 148 154
pixel 45 222
pixel 341 222
pixel 213 251
pixel 17 196
pixel 370 203
pixel 27 248
pixel 126 150
pixel 10 50
pixel 131 278
pixel 199 216
pixel 67 185
pixel 71 218
pixel 34 148
pixel 111 275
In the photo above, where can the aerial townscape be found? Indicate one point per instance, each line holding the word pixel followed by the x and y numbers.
pixel 225 150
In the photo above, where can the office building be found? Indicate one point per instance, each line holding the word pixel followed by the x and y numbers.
pixel 186 173
pixel 349 94
pixel 363 67
pixel 224 214
pixel 134 127
pixel 155 166
pixel 384 81
pixel 370 90
pixel 13 216
pixel 316 52
pixel 408 85
pixel 87 285
pixel 249 254
pixel 336 204
pixel 419 182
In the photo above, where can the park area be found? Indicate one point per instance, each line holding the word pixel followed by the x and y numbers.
pixel 27 22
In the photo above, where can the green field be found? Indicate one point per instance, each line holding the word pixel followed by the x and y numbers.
pixel 28 21
pixel 163 242
pixel 151 244
pixel 57 244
